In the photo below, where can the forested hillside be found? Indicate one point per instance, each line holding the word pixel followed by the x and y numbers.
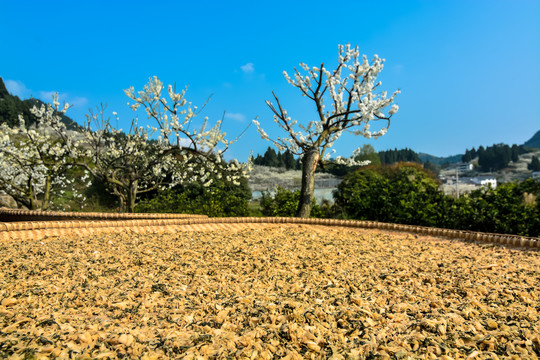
pixel 534 142
pixel 11 106
pixel 495 157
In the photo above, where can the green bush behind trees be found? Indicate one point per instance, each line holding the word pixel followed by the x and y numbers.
pixel 408 194
pixel 222 198
pixel 284 204
pixel 404 193
pixel 511 208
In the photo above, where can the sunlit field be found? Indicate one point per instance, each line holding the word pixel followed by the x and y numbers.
pixel 267 292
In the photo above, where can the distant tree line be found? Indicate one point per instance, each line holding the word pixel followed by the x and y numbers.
pixel 396 156
pixel 287 161
pixel 491 158
pixel 495 157
pixel 366 152
pixel 284 160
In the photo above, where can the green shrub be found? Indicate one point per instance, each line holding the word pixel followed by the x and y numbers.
pixel 403 193
pixel 511 208
pixel 284 203
pixel 408 194
pixel 222 198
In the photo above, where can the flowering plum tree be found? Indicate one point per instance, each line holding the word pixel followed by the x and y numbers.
pixel 127 163
pixel 169 152
pixel 351 90
pixel 34 160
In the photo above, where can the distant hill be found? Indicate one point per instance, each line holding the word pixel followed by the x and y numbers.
pixel 11 106
pixel 533 142
pixel 440 160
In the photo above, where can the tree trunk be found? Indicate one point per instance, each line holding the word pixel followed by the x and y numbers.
pixel 47 194
pixel 132 196
pixel 31 198
pixel 309 165
pixel 121 203
pixel 119 193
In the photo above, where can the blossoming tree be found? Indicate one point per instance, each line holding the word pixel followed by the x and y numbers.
pixel 167 153
pixel 352 91
pixel 34 160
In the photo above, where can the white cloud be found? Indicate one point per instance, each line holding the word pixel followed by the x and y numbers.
pixel 249 68
pixel 185 142
pixel 78 101
pixel 75 101
pixel 17 88
pixel 235 116
pixel 48 95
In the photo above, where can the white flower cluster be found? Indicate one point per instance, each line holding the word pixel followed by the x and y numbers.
pixel 135 162
pixel 352 160
pixel 175 119
pixel 34 159
pixel 351 89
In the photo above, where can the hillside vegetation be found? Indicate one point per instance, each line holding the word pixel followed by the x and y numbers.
pixel 534 142
pixel 11 107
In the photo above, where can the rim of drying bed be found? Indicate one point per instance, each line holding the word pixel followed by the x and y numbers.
pixel 29 220
pixel 12 215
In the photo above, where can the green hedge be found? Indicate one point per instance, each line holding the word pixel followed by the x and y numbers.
pixel 408 194
pixel 220 199
pixel 284 203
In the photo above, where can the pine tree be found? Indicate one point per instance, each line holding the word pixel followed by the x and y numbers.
pixel 270 158
pixel 515 153
pixel 534 165
pixel 288 158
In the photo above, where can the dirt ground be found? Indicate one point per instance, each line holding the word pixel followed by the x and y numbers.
pixel 267 292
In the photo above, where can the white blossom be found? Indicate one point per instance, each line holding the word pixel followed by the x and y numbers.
pixel 351 91
pixel 33 160
pixel 129 163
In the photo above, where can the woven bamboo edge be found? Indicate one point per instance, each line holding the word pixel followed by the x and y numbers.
pixel 11 229
pixel 32 215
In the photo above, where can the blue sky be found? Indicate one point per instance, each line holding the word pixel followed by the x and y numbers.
pixel 469 70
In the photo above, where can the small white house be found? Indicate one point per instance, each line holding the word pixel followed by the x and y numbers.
pixel 487 181
pixel 536 175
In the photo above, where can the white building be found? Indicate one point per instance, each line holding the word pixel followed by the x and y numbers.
pixel 487 181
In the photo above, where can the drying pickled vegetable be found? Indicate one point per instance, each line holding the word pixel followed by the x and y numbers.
pixel 267 292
